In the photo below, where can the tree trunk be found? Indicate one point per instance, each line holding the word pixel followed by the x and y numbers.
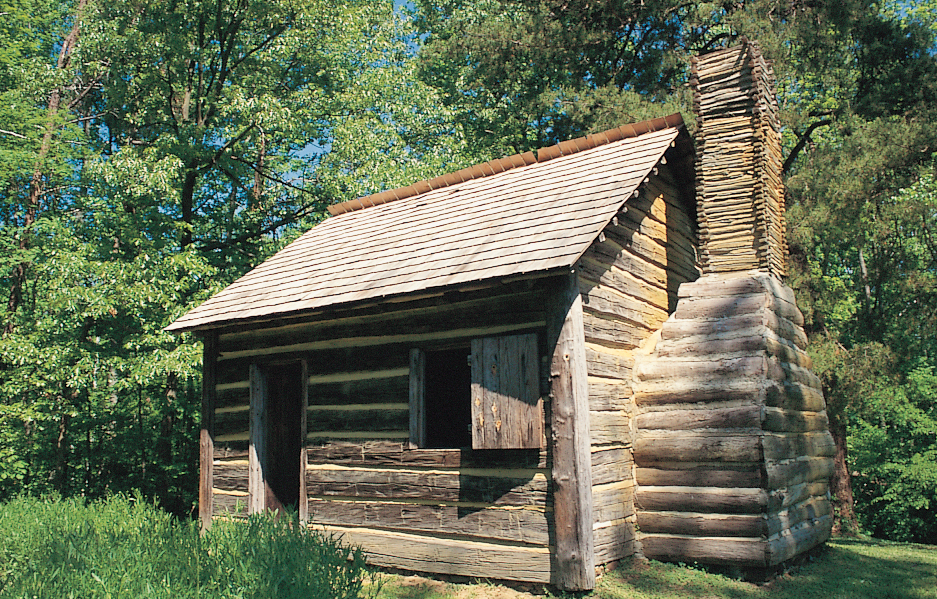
pixel 18 277
pixel 845 521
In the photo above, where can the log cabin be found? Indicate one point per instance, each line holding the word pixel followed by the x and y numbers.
pixel 535 367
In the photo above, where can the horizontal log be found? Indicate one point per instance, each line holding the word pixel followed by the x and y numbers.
pixel 433 486
pixel 682 446
pixel 362 419
pixel 703 525
pixel 610 427
pixel 804 469
pixel 677 329
pixel 701 499
pixel 719 285
pixel 604 300
pixel 687 370
pixel 228 422
pixel 811 509
pixel 613 502
pixel 781 446
pixel 802 539
pixel 378 454
pixel 743 390
pixel 379 390
pixel 615 255
pixel 608 362
pixel 230 476
pixel 720 307
pixel 612 332
pixel 744 552
pixel 230 451
pixel 715 418
pixel 610 396
pixel 794 396
pixel 227 505
pixel 597 268
pixel 613 543
pixel 702 345
pixel 701 477
pixel 782 499
pixel 518 525
pixel 611 464
pixel 783 421
pixel 230 397
pixel 424 553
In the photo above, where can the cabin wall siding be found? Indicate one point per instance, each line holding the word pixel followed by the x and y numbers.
pixel 423 509
pixel 629 280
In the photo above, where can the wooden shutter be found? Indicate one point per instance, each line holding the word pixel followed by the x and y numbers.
pixel 506 405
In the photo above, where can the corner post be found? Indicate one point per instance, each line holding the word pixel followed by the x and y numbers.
pixel 206 447
pixel 572 459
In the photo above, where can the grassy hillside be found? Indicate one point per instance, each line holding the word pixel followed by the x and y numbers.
pixel 847 569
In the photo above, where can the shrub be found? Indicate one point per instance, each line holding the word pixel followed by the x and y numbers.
pixel 126 547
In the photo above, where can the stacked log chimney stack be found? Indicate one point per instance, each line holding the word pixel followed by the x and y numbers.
pixel 732 451
pixel 740 194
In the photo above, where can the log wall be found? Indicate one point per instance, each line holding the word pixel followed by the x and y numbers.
pixel 629 281
pixel 733 452
pixel 453 511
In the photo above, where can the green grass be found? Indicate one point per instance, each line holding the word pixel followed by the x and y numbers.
pixel 847 569
pixel 127 548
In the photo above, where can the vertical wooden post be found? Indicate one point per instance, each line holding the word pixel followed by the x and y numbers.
pixel 206 447
pixel 257 451
pixel 417 398
pixel 572 474
pixel 303 499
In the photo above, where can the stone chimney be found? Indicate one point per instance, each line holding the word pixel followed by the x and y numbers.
pixel 740 195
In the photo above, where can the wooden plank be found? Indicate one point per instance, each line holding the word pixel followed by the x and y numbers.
pixel 704 475
pixel 494 488
pixel 614 542
pixel 207 430
pixel 417 398
pixel 803 469
pixel 425 553
pixel 713 418
pixel 745 552
pixel 605 396
pixel 614 501
pixel 359 418
pixel 701 499
pixel 609 362
pixel 683 446
pixel 382 390
pixel 507 411
pixel 781 499
pixel 229 505
pixel 258 441
pixel 572 484
pixel 611 464
pixel 376 454
pixel 703 524
pixel 610 427
pixel 523 525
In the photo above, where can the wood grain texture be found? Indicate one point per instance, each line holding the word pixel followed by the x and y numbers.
pixel 206 433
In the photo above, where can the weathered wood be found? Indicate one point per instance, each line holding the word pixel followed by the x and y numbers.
pixel 517 525
pixel 232 475
pixel 610 427
pixel 781 499
pixel 700 369
pixel 605 301
pixel 794 396
pixel 417 398
pixel 609 362
pixel 230 505
pixel 751 477
pixel 749 390
pixel 614 542
pixel 376 454
pixel 572 484
pixel 601 269
pixel 804 469
pixel 611 464
pixel 701 499
pixel 499 488
pixel 780 446
pixel 610 397
pixel 717 418
pixel 613 332
pixel 303 501
pixel 744 552
pixel 810 509
pixel 799 540
pixel 613 501
pixel 780 420
pixel 424 553
pixel 207 431
pixel 703 524
pixel 380 390
pixel 360 418
pixel 507 412
pixel 258 440
pixel 683 446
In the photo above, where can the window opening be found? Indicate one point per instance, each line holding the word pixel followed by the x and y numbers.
pixel 284 435
pixel 448 394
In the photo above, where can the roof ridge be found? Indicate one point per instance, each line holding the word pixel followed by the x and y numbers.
pixel 500 165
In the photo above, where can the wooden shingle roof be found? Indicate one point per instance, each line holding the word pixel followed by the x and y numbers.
pixel 508 217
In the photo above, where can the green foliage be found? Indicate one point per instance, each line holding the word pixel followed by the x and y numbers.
pixel 125 547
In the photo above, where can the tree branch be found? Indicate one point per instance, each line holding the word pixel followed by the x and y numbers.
pixel 802 141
